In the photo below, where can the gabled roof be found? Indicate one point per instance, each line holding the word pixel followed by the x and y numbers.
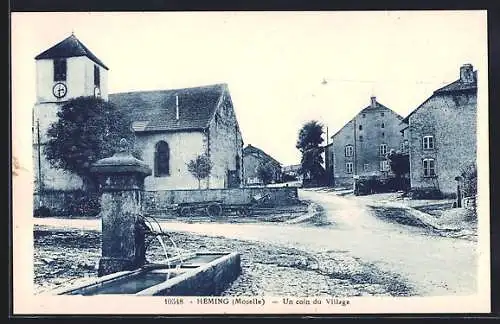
pixel 249 149
pixel 455 86
pixel 378 106
pixel 69 47
pixel 156 110
pixel 459 85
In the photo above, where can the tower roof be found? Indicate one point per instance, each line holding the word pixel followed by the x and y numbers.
pixel 69 47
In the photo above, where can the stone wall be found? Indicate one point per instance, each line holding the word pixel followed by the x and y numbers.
pixel 366 156
pixel 225 145
pixel 159 200
pixel 250 164
pixel 74 203
pixel 340 140
pixel 451 119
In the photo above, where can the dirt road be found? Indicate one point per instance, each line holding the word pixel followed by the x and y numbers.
pixel 433 265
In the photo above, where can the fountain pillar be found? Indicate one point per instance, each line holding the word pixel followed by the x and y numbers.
pixel 121 181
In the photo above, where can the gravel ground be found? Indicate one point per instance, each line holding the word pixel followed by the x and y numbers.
pixel 64 255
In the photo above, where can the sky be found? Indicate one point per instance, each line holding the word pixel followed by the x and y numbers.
pixel 275 63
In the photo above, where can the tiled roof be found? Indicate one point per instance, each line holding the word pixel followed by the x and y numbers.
pixel 249 149
pixel 458 85
pixel 69 47
pixel 156 110
pixel 455 86
pixel 378 105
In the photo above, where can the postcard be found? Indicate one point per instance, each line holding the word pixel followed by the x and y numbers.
pixel 331 162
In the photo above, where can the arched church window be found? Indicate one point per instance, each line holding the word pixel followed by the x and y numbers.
pixel 162 159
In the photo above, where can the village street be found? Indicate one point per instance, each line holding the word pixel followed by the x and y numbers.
pixel 431 264
pixel 434 264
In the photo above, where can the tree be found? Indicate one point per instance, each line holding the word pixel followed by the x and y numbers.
pixel 265 172
pixel 87 130
pixel 469 178
pixel 200 168
pixel 399 164
pixel 308 143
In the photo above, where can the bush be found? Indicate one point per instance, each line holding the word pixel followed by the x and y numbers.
pixel 426 193
pixel 42 211
pixel 469 176
pixel 374 184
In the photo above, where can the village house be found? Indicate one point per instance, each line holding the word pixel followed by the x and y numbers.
pixel 254 157
pixel 360 146
pixel 441 134
pixel 172 127
pixel 293 171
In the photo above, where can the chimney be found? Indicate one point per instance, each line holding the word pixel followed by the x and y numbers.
pixel 176 107
pixel 466 73
pixel 373 101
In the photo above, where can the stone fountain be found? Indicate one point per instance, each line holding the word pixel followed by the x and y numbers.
pixel 122 266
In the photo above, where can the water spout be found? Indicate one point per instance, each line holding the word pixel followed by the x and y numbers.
pixel 166 254
pixel 150 222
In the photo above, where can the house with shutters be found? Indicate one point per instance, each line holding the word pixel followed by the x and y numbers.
pixel 359 148
pixel 441 135
pixel 171 126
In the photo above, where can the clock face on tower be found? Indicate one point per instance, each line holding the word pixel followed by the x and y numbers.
pixel 59 90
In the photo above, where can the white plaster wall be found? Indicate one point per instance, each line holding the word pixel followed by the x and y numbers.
pixel 184 146
pixel 79 79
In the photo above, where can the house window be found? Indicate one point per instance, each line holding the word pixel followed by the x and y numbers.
pixel 162 159
pixel 360 127
pixel 382 125
pixel 364 115
pixel 361 138
pixel 383 134
pixel 382 114
pixel 366 167
pixel 384 165
pixel 383 149
pixel 428 142
pixel 429 167
pixel 348 167
pixel 404 146
pixel 348 150
pixel 97 76
pixel 60 70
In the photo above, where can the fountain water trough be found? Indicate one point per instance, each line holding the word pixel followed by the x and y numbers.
pixel 199 274
pixel 122 267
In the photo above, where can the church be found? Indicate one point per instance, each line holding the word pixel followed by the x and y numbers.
pixel 171 126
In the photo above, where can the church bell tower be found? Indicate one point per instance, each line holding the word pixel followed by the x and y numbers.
pixel 65 71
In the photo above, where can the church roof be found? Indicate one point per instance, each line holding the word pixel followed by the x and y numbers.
pixel 152 111
pixel 69 47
